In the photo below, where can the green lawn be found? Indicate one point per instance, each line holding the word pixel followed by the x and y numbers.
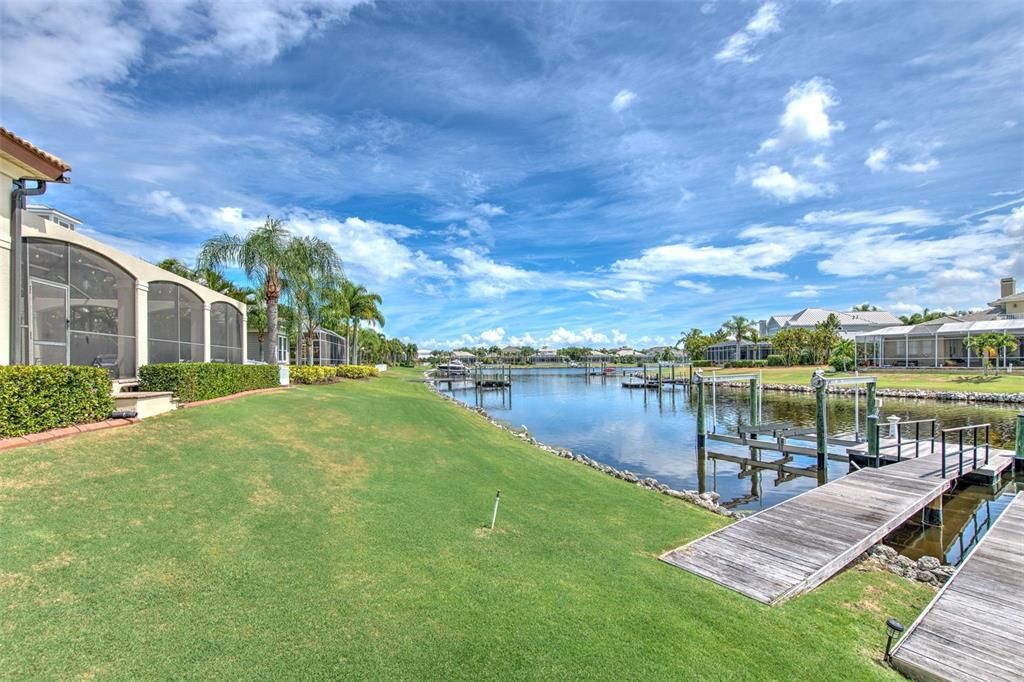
pixel 935 381
pixel 337 532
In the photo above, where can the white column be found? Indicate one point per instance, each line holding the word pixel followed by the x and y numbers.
pixel 5 279
pixel 245 337
pixel 206 332
pixel 141 324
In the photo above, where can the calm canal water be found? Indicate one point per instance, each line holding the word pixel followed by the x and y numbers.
pixel 635 429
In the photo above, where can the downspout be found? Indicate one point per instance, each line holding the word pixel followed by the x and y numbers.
pixel 19 265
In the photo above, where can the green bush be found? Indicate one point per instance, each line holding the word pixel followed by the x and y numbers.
pixel 42 397
pixel 194 381
pixel 311 374
pixel 357 371
pixel 746 363
pixel 703 363
pixel 776 361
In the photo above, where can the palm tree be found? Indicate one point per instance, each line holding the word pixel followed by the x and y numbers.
pixel 271 258
pixel 738 328
pixel 320 304
pixel 362 305
pixel 176 266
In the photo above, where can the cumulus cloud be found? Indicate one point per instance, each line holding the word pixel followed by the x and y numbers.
pixel 904 158
pixel 739 46
pixel 622 101
pixel 784 186
pixel 486 278
pixel 808 291
pixel 493 336
pixel 489 210
pixel 806 116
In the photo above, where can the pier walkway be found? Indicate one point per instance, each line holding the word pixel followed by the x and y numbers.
pixel 793 547
pixel 974 628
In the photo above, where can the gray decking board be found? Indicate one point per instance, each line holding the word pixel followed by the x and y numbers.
pixel 974 628
pixel 791 548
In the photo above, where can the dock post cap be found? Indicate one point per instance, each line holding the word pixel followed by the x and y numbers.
pixel 818 378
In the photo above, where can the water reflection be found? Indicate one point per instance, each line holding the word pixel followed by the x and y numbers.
pixel 654 434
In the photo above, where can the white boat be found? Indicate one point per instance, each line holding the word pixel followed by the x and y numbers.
pixel 453 369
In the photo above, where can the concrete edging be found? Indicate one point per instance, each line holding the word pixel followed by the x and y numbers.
pixel 63 432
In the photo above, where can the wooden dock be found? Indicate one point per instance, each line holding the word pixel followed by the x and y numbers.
pixel 793 547
pixel 974 628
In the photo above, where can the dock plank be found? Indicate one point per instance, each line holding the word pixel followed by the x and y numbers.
pixel 974 628
pixel 788 549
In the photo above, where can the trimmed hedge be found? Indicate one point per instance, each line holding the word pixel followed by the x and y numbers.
pixel 703 363
pixel 194 381
pixel 732 364
pixel 775 360
pixel 357 371
pixel 43 397
pixel 312 374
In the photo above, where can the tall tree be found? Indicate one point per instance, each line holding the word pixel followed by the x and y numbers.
pixel 363 306
pixel 271 258
pixel 176 266
pixel 738 328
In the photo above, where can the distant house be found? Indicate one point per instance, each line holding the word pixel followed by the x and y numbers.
pixel 464 357
pixel 659 353
pixel 624 354
pixel 598 356
pixel 546 355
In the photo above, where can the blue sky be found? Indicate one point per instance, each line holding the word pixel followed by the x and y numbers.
pixel 593 173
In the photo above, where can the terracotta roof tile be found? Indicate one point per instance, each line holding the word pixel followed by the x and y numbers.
pixel 25 144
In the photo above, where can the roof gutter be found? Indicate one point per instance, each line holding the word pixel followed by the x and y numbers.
pixel 19 264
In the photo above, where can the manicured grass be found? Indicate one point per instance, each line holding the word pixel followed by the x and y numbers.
pixel 935 381
pixel 337 532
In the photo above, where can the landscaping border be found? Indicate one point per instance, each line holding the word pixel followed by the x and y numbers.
pixel 63 432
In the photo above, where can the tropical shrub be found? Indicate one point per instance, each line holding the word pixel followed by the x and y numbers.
pixel 194 381
pixel 775 360
pixel 746 363
pixel 703 363
pixel 843 356
pixel 312 374
pixel 42 397
pixel 356 371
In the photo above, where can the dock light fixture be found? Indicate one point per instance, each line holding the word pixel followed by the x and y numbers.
pixel 895 629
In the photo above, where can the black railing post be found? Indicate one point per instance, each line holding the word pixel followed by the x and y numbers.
pixel 975 448
pixel 943 455
pixel 933 436
pixel 987 447
pixel 899 443
pixel 960 467
pixel 917 439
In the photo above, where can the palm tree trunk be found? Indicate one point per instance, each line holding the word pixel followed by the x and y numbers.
pixel 738 341
pixel 270 349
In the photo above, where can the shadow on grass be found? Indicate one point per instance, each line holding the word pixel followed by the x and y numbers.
pixel 985 379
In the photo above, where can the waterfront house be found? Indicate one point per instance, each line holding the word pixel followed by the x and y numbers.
pixel 83 302
pixel 942 342
pixel 546 354
pixel 464 357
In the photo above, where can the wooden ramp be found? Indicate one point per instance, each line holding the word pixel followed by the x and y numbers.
pixel 798 544
pixel 974 628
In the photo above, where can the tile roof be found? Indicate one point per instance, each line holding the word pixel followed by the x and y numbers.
pixel 60 164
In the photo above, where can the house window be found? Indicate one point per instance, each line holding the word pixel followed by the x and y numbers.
pixel 80 309
pixel 175 324
pixel 225 334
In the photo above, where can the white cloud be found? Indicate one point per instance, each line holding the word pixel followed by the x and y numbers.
pixel 618 337
pixel 523 340
pixel 883 125
pixel 807 292
pixel 489 210
pixel 564 337
pixel 622 101
pixel 917 217
pixel 487 279
pixel 162 203
pixel 82 49
pixel 493 336
pixel 878 159
pixel 922 166
pixel 699 287
pixel 806 116
pixel 631 291
pixel 781 184
pixel 770 247
pixel 915 158
pixel 739 45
